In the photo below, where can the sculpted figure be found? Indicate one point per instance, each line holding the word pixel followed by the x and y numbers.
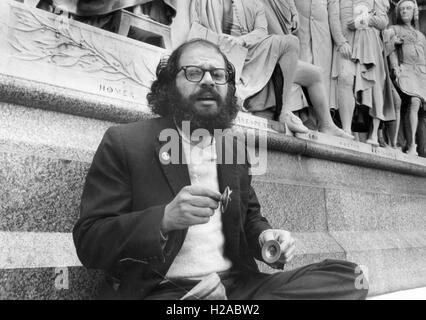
pixel 359 71
pixel 408 63
pixel 319 27
pixel 283 19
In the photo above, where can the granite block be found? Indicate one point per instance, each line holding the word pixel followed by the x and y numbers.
pixel 22 250
pixel 55 130
pixel 409 212
pixel 302 170
pixel 40 194
pixel 294 208
pixel 365 211
pixel 49 284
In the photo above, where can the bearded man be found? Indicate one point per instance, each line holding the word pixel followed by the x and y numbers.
pixel 162 230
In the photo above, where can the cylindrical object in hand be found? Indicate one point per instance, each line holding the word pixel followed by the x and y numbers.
pixel 271 251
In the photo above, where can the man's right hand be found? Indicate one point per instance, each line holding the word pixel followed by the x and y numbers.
pixel 234 41
pixel 345 50
pixel 193 205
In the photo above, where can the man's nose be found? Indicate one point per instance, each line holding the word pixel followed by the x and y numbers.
pixel 207 80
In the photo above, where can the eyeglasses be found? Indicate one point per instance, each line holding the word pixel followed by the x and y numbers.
pixel 196 74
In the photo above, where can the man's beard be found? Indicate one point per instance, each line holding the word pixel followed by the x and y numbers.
pixel 183 109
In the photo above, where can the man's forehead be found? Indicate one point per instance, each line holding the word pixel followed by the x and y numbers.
pixel 407 3
pixel 201 54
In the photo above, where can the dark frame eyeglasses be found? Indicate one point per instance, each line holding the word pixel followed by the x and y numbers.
pixel 220 76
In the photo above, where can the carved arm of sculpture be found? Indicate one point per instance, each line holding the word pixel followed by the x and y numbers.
pixel 380 19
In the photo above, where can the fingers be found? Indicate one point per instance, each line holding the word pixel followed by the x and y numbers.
pixel 285 240
pixel 198 220
pixel 289 254
pixel 199 212
pixel 288 247
pixel 232 40
pixel 195 216
pixel 202 192
pixel 203 202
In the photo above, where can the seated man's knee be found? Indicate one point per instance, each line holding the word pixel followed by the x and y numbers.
pixel 288 42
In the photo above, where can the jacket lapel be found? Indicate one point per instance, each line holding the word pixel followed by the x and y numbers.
pixel 177 174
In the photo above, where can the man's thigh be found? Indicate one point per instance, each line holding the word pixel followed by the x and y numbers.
pixel 330 279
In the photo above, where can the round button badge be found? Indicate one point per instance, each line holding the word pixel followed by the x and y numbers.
pixel 165 156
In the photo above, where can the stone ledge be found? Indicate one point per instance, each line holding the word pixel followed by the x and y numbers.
pixel 302 147
pixel 48 97
pixel 44 96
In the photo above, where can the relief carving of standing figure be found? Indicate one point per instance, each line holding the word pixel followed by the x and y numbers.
pixel 408 63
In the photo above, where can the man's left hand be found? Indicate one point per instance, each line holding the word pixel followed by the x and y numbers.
pixel 287 242
pixel 233 40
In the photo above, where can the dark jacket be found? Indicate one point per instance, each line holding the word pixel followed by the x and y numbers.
pixel 122 207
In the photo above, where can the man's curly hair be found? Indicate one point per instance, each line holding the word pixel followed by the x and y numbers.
pixel 161 94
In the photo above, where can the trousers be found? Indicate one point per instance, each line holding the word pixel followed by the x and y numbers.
pixel 326 280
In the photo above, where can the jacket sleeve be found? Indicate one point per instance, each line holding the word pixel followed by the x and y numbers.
pixel 255 223
pixel 333 8
pixel 108 231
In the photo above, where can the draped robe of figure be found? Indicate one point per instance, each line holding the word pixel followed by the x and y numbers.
pixel 319 26
pixel 249 23
pixel 372 87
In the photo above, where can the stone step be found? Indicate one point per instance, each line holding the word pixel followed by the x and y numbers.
pixel 414 294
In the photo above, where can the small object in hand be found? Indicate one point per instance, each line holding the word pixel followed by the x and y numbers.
pixel 271 251
pixel 225 199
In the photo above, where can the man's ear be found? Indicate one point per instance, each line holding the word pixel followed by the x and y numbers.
pixel 162 65
pixel 231 70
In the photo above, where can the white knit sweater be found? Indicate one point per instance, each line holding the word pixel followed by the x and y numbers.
pixel 202 252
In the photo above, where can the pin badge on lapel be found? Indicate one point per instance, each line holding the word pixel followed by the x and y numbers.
pixel 225 199
pixel 165 156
